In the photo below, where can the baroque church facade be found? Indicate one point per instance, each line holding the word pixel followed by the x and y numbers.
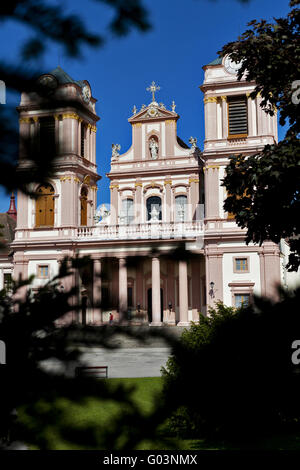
pixel 164 195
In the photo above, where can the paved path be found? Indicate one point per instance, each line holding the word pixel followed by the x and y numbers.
pixel 121 362
pixel 131 362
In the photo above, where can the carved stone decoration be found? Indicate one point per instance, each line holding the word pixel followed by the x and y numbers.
pixel 134 110
pixel 152 111
pixel 115 148
pixel 153 145
pixel 173 106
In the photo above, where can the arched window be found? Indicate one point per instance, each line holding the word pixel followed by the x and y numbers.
pixel 154 208
pixel 45 206
pixel 180 208
pixel 83 206
pixel 127 211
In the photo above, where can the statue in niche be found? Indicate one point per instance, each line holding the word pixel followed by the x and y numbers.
pixel 153 145
pixel 154 214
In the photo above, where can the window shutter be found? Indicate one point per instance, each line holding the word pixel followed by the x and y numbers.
pixel 237 116
pixel 47 136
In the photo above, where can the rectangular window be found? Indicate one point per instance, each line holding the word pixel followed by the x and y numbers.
pixel 241 264
pixel 127 215
pixel 180 208
pixel 130 296
pixel 43 271
pixel 241 299
pixel 47 136
pixel 237 117
pixel 7 281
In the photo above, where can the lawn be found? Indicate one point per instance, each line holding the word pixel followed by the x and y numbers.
pixel 70 426
pixel 56 425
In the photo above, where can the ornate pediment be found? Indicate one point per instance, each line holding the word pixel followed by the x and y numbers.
pixel 153 111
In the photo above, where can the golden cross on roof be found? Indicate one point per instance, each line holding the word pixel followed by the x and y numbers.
pixel 153 88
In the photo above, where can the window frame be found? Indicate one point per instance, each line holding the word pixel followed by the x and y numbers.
pixel 241 271
pixel 237 136
pixel 161 208
pixel 127 216
pixel 241 287
pixel 39 273
pixel 177 196
pixel 247 294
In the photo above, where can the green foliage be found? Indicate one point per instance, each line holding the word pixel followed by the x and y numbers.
pixel 265 188
pixel 232 375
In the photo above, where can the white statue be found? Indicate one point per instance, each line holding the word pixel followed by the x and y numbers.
pixel 154 214
pixel 102 215
pixel 193 142
pixel 115 148
pixel 153 145
pixel 162 106
pixel 173 106
pixel 134 110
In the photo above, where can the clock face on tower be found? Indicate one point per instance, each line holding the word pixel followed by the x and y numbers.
pixel 231 66
pixel 86 93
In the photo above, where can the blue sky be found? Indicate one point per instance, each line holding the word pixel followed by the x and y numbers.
pixel 185 35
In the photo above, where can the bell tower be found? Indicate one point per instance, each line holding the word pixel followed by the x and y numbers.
pixel 234 124
pixel 59 122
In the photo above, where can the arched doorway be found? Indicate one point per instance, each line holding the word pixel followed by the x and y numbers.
pixel 83 206
pixel 45 206
pixel 150 305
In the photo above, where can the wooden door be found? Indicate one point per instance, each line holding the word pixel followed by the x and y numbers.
pixel 45 206
pixel 83 207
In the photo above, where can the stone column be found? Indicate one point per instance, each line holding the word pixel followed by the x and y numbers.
pixel 122 288
pixel 194 197
pixel 183 294
pixel 138 202
pixel 224 117
pixel 214 273
pixel 168 199
pixel 270 269
pixel 251 118
pixel 114 197
pixel 210 110
pixel 212 191
pixel 24 137
pixel 156 311
pixel 97 292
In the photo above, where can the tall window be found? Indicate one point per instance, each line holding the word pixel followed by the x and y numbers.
pixel 82 139
pixel 154 208
pixel 83 206
pixel 128 211
pixel 45 206
pixel 7 281
pixel 47 136
pixel 180 208
pixel 237 116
